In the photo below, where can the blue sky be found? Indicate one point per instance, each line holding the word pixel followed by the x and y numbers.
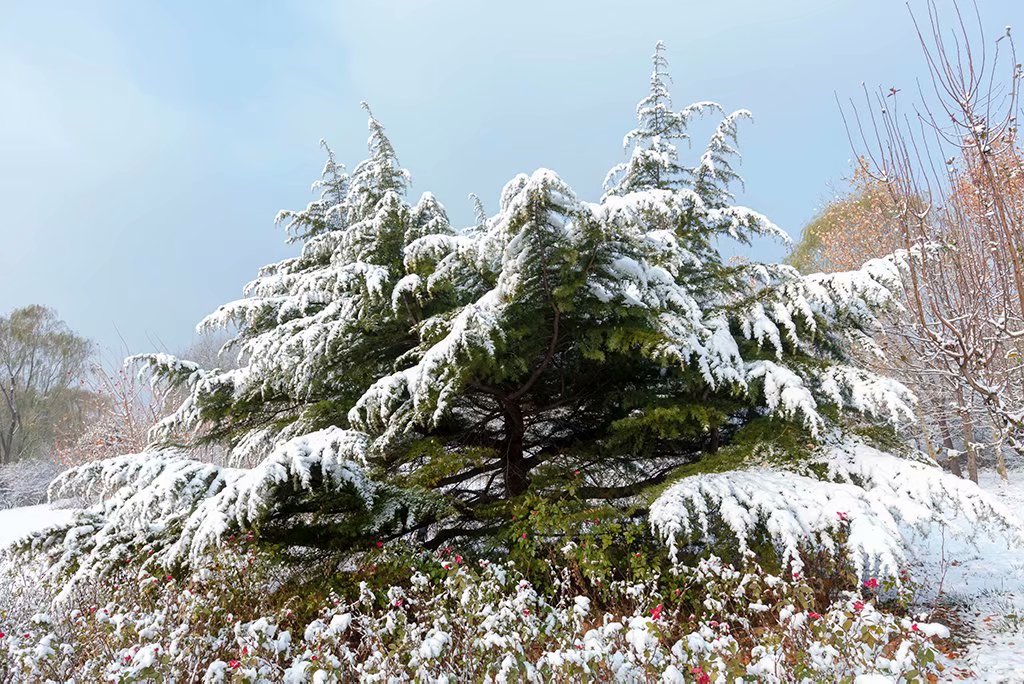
pixel 145 148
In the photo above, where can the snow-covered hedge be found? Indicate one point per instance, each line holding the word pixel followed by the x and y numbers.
pixel 455 621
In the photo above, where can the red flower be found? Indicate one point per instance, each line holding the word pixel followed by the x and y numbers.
pixel 699 675
pixel 843 517
pixel 526 611
pixel 380 544
pixel 814 616
pixel 234 664
pixel 871 583
pixel 458 559
pixel 656 612
pixel 913 627
pixel 314 658
pixel 2 635
pixel 398 603
pixel 858 606
pixel 796 575
pixel 523 535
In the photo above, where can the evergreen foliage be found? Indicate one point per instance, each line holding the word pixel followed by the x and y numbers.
pixel 557 352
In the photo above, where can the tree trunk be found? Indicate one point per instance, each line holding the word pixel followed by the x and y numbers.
pixel 972 452
pixel 516 478
pixel 997 449
pixel 952 458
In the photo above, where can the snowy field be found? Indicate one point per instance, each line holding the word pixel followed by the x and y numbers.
pixel 15 523
pixel 985 580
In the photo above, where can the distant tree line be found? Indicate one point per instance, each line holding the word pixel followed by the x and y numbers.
pixel 61 405
pixel 42 397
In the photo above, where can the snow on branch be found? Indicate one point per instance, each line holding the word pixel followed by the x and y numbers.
pixel 864 510
pixel 785 393
pixel 180 508
pixel 868 393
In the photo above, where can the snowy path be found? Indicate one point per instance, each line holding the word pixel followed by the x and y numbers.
pixel 15 523
pixel 987 579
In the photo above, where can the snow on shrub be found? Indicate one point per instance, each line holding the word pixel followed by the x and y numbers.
pixel 864 506
pixel 455 621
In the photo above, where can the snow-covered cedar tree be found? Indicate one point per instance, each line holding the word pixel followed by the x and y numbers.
pixel 404 379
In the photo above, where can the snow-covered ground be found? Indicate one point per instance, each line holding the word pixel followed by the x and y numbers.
pixel 984 579
pixel 16 523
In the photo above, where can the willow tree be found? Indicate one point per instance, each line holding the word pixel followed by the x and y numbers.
pixel 41 365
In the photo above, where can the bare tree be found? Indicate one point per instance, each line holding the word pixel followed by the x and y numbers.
pixel 953 171
pixel 118 416
pixel 122 409
pixel 41 360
